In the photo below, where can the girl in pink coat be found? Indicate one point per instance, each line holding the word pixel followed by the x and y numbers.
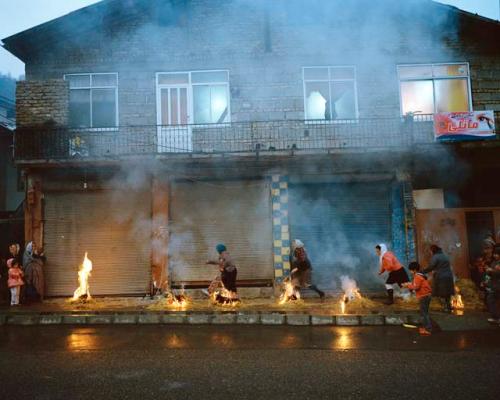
pixel 15 281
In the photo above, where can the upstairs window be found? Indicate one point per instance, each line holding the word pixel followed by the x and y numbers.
pixel 93 100
pixel 199 97
pixel 330 93
pixel 434 88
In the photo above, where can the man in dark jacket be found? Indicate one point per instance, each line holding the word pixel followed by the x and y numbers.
pixel 443 283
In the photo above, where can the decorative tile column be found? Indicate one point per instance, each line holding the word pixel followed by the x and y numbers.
pixel 281 234
pixel 403 236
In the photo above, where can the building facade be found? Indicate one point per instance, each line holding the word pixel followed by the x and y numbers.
pixel 150 131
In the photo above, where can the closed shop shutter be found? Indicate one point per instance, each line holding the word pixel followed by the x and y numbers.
pixel 340 224
pixel 113 227
pixel 237 214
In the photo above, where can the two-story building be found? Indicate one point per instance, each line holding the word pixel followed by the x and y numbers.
pixel 150 131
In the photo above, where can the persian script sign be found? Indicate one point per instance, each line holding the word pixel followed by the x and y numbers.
pixel 464 125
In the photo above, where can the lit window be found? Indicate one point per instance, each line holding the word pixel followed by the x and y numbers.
pixel 433 88
pixel 330 93
pixel 202 94
pixel 93 100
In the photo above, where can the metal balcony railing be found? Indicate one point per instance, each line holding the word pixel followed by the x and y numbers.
pixel 59 143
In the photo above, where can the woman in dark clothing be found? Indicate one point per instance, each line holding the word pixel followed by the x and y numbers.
pixel 443 283
pixel 33 262
pixel 302 269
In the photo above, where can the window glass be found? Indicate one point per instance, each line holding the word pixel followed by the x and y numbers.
pixel 210 76
pixel 317 96
pixel 415 71
pixel 201 104
pixel 316 74
pixel 104 80
pixel 417 96
pixel 174 107
pixel 342 73
pixel 164 106
pixel 451 95
pixel 183 106
pixel 78 81
pixel 79 108
pixel 343 102
pixel 103 108
pixel 172 79
pixel 218 102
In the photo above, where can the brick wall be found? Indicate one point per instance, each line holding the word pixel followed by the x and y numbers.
pixel 42 102
pixel 265 60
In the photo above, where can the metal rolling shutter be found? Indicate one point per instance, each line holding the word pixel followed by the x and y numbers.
pixel 113 227
pixel 340 224
pixel 206 213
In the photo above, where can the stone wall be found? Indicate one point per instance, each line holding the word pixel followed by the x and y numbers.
pixel 42 102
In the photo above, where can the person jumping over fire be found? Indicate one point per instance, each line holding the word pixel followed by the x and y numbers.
pixel 302 269
pixel 397 274
pixel 227 275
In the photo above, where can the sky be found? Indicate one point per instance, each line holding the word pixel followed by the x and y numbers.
pixel 18 15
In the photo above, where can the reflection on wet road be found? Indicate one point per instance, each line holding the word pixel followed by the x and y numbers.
pixel 235 337
pixel 250 362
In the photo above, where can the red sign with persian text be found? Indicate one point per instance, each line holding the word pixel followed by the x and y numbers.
pixel 464 125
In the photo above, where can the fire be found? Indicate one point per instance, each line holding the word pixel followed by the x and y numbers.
pixel 83 279
pixel 177 300
pixel 224 297
pixel 290 293
pixel 456 300
pixel 351 292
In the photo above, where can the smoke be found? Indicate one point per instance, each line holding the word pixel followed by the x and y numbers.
pixel 264 45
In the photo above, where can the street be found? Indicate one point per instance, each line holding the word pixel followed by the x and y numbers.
pixel 258 362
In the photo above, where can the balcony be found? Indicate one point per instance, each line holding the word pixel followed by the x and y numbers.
pixel 267 137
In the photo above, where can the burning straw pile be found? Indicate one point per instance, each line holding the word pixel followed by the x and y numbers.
pixel 352 299
pixel 82 293
pixel 469 294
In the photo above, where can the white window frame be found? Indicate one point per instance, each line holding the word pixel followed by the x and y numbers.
pixel 355 79
pixel 90 87
pixel 433 78
pixel 190 97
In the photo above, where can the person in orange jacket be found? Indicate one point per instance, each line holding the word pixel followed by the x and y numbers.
pixel 423 291
pixel 397 274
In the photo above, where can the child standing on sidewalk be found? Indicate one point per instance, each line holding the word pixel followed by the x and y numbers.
pixel 15 281
pixel 423 291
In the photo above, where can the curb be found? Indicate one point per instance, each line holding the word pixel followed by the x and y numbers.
pixel 202 318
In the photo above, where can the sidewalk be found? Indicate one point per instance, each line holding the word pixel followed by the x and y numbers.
pixel 365 311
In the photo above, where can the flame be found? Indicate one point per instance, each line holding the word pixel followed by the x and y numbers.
pixel 83 279
pixel 456 300
pixel 289 292
pixel 342 305
pixel 351 292
pixel 177 300
pixel 230 298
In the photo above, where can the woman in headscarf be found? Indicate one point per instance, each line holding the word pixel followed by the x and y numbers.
pixel 443 284
pixel 302 269
pixel 397 274
pixel 33 271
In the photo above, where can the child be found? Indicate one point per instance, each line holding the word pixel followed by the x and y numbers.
pixel 423 291
pixel 15 281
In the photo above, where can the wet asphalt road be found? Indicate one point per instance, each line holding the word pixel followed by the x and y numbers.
pixel 252 362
